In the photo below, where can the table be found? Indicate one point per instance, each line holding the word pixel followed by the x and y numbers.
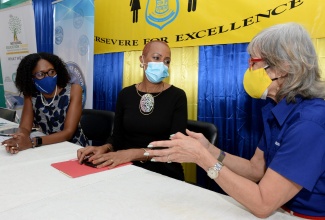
pixel 30 188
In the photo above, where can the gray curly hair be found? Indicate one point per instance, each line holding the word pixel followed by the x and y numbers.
pixel 288 49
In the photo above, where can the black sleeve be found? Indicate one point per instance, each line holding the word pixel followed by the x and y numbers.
pixel 179 122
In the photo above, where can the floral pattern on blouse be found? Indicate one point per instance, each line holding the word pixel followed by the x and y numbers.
pixel 51 118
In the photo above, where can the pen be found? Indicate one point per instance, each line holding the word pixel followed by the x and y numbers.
pixel 5 135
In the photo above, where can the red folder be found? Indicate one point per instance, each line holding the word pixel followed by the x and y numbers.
pixel 73 169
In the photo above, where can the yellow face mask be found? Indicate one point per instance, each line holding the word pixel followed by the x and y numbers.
pixel 256 83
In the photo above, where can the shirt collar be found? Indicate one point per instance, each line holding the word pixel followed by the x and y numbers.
pixel 283 109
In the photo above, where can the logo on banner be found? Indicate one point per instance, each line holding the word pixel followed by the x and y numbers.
pixel 166 20
pixel 58 35
pixel 160 13
pixel 16 46
pixel 15 27
pixel 83 45
pixel 77 77
pixel 78 18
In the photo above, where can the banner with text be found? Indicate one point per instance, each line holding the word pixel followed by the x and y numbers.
pixel 129 25
pixel 74 31
pixel 17 25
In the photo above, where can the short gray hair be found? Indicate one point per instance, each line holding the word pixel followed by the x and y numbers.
pixel 287 48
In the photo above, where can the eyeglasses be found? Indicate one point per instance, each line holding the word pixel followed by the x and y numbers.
pixel 252 61
pixel 41 75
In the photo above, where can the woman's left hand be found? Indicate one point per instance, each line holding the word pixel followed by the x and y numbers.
pixel 180 149
pixel 111 159
pixel 198 136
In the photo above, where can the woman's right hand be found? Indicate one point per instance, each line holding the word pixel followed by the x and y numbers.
pixel 19 141
pixel 90 151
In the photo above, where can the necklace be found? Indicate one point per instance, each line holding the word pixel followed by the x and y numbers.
pixel 147 101
pixel 43 99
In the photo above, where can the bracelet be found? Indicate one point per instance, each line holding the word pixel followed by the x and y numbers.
pixel 145 151
pixel 110 148
pixel 33 143
pixel 221 156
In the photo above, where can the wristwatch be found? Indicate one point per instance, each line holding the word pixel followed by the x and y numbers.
pixel 213 172
pixel 221 156
pixel 38 142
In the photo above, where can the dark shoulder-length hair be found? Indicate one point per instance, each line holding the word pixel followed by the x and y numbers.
pixel 24 78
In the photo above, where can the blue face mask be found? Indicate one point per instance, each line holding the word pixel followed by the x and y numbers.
pixel 46 85
pixel 156 72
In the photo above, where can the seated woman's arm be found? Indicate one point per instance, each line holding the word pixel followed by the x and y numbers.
pixel 20 140
pixel 22 137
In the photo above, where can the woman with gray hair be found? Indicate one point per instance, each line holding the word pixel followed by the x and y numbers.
pixel 288 167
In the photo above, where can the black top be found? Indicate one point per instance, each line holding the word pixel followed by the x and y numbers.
pixel 132 129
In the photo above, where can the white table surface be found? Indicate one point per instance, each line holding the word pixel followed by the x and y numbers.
pixel 30 188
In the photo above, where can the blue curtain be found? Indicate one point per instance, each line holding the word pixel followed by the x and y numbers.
pixel 43 11
pixel 223 101
pixel 108 79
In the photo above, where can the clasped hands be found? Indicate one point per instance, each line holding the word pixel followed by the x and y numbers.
pixel 180 148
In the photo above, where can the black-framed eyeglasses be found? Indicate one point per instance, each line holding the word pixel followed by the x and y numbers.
pixel 41 74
